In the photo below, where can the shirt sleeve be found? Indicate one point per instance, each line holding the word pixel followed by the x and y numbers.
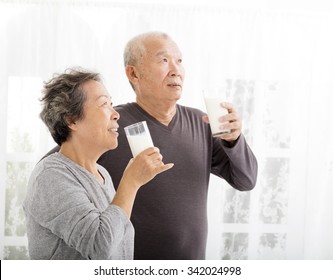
pixel 236 164
pixel 60 204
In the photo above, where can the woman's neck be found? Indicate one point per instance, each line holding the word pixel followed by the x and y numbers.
pixel 80 156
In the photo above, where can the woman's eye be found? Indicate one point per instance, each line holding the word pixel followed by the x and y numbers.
pixel 180 60
pixel 165 60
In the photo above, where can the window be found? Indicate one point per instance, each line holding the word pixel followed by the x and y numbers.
pixel 23 142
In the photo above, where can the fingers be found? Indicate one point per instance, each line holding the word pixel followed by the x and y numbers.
pixel 153 153
pixel 234 129
pixel 231 122
pixel 228 106
pixel 163 167
pixel 232 114
pixel 152 160
pixel 157 164
pixel 149 151
pixel 230 137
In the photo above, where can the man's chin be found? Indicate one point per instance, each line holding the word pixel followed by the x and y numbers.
pixel 176 95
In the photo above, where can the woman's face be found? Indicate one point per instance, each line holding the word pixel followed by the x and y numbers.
pixel 97 130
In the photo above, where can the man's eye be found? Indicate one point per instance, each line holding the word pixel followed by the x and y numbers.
pixel 165 60
pixel 180 60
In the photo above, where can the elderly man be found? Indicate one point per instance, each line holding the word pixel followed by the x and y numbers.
pixel 170 213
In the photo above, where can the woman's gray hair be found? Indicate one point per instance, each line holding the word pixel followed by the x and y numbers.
pixel 63 101
pixel 135 48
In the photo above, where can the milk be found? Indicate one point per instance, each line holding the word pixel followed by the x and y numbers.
pixel 215 111
pixel 140 142
pixel 138 137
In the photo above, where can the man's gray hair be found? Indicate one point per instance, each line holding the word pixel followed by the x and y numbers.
pixel 135 48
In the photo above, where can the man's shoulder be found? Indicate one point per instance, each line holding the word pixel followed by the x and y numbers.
pixel 124 107
pixel 129 113
pixel 189 110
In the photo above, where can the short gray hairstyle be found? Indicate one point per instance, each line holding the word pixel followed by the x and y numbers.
pixel 135 49
pixel 63 101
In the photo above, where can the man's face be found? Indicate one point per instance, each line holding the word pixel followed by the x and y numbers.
pixel 159 72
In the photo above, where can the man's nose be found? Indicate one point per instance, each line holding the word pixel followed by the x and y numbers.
pixel 176 69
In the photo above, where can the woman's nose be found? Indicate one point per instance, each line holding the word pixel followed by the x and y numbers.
pixel 115 115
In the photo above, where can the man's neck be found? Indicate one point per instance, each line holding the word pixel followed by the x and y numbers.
pixel 163 114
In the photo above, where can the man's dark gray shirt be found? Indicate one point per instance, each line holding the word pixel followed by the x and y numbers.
pixel 170 212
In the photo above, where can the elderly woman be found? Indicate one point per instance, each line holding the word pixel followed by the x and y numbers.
pixel 72 209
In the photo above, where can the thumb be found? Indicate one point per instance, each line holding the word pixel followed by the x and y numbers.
pixel 205 119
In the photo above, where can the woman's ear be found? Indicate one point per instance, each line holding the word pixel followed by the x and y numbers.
pixel 72 126
pixel 70 123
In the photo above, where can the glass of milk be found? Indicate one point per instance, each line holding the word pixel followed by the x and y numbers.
pixel 213 99
pixel 138 137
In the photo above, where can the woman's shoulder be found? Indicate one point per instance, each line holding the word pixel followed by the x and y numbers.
pixel 51 166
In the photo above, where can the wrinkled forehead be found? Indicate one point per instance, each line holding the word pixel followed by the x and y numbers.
pixel 157 46
pixel 94 90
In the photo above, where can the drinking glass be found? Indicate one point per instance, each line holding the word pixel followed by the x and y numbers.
pixel 213 99
pixel 138 137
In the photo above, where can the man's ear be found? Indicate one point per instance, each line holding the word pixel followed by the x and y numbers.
pixel 131 74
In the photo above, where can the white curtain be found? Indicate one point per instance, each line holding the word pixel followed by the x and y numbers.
pixel 277 65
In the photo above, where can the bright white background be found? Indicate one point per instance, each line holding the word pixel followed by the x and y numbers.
pixel 275 57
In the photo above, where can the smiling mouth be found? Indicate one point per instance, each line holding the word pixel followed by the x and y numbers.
pixel 113 129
